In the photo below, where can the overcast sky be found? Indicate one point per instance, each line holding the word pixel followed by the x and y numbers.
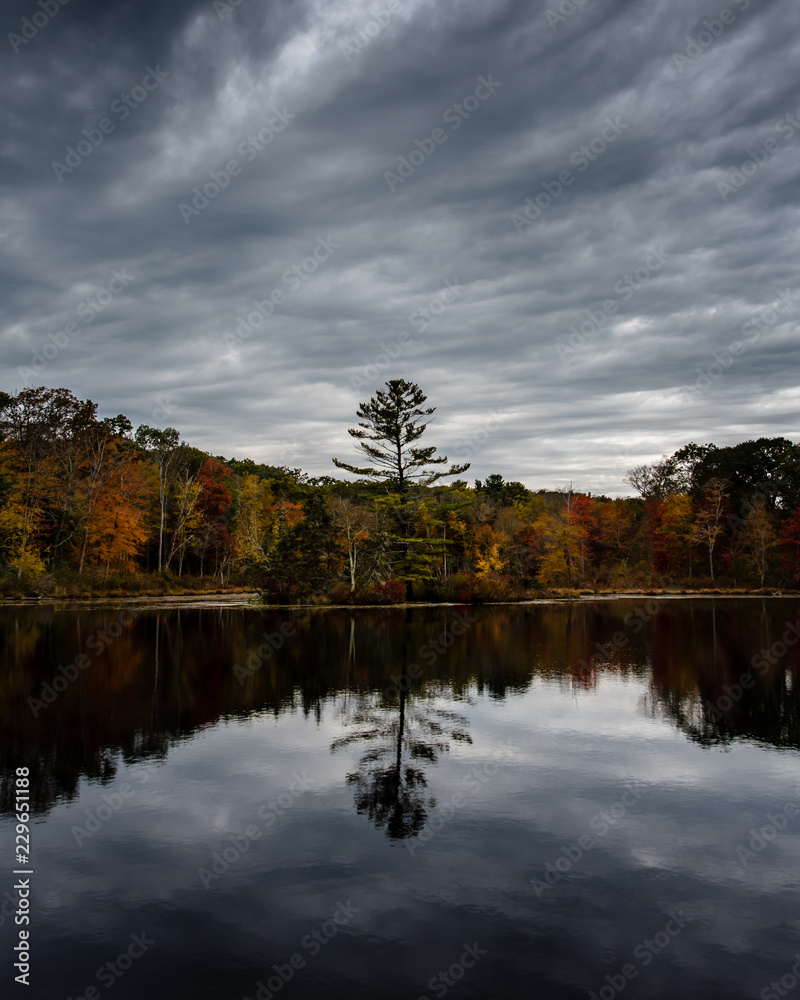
pixel 602 139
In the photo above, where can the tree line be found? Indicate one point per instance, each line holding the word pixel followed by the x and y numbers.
pixel 89 503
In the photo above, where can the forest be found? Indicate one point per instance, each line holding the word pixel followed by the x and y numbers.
pixel 91 506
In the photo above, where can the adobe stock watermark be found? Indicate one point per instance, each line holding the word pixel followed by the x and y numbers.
pixel 785 985
pixel 751 330
pixel 113 801
pixel 166 407
pixel 91 307
pixel 313 943
pixel 389 351
pixel 288 451
pixel 256 658
pixel 31 26
pixel 369 30
pixel 596 319
pixel 466 448
pixel 108 974
pixel 454 116
pixel 564 11
pixel 420 319
pixel 634 622
pixel 582 158
pixel 293 278
pixel 623 461
pixel 713 28
pixel 761 838
pixel 762 662
pixel 268 814
pixel 67 674
pixel 121 107
pixel 248 149
pixel 471 784
pixel 442 982
pixel 429 652
pixel 787 127
pixel 600 824
pixel 644 954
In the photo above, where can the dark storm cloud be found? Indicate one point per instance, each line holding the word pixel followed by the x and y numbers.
pixel 488 179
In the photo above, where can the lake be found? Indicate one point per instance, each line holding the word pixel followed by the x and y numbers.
pixel 587 799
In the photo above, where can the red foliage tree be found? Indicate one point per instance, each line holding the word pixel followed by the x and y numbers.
pixel 216 541
pixel 790 544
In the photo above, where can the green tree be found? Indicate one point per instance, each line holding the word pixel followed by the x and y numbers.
pixel 390 424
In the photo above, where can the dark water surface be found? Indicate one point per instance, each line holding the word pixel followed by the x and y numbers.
pixel 364 814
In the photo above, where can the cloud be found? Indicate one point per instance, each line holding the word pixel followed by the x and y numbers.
pixel 359 89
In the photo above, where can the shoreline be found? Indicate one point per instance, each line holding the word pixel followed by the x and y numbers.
pixel 252 600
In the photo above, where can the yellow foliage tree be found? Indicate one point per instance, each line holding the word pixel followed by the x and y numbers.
pixel 758 537
pixel 252 521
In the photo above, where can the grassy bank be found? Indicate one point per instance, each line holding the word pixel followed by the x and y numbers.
pixel 67 584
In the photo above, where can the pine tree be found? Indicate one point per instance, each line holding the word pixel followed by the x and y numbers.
pixel 392 420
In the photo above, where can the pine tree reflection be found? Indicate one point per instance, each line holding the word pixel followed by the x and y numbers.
pixel 390 785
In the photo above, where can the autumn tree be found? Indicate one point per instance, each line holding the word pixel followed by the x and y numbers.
pixel 615 530
pixel 671 531
pixel 187 517
pixel 254 509
pixel 709 519
pixel 353 524
pixel 161 446
pixel 790 544
pixel 215 539
pixel 40 424
pixel 565 531
pixel 117 530
pixel 306 548
pixel 757 536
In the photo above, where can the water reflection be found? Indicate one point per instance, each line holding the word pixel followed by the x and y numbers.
pixel 300 752
pixel 404 731
pixel 81 689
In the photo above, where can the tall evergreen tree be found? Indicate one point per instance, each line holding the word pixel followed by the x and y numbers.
pixel 390 424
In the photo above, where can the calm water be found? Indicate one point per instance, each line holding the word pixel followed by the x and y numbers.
pixel 355 812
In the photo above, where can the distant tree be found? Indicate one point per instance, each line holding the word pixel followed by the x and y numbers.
pixel 496 489
pixel 45 428
pixel 187 517
pixel 162 447
pixel 676 531
pixel 768 466
pixel 107 452
pixel 214 501
pixel 676 473
pixel 565 531
pixel 684 465
pixel 758 537
pixel 390 425
pixel 492 486
pixel 790 544
pixel 615 531
pixel 354 525
pixel 652 482
pixel 709 520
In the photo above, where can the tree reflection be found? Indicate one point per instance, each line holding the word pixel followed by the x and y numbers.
pixel 390 785
pixel 722 670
